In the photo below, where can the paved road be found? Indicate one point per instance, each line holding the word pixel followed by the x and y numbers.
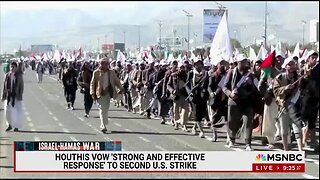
pixel 46 118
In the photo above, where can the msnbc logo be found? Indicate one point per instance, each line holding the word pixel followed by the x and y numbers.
pixel 261 157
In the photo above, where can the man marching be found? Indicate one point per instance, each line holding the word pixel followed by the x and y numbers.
pixel 197 88
pixel 103 87
pixel 176 86
pixel 217 104
pixel 12 95
pixel 240 89
pixel 287 92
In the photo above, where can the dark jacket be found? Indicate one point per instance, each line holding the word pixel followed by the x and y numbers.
pixel 18 87
pixel 69 80
pixel 173 84
pixel 199 91
pixel 220 98
pixel 246 91
pixel 84 79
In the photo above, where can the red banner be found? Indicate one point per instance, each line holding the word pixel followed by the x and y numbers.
pixel 274 167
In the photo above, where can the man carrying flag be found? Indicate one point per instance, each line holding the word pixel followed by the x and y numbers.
pixel 271 67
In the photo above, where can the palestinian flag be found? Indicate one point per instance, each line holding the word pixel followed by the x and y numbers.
pixel 153 54
pixel 267 65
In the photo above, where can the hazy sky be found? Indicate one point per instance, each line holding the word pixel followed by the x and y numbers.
pixel 72 23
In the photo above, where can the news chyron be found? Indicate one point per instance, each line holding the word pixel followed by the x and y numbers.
pixel 107 156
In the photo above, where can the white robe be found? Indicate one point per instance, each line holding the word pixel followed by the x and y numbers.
pixel 13 115
pixel 269 128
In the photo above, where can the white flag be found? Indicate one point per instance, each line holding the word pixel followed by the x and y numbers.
pixel 193 56
pixel 221 48
pixel 296 51
pixel 121 57
pixel 179 59
pixel 56 55
pixel 304 56
pixel 279 49
pixel 98 58
pixel 252 54
pixel 170 58
pixel 272 48
pixel 64 55
pixel 236 52
pixel 262 54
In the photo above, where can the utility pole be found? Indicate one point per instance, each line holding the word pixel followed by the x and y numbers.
pixel 265 24
pixel 235 39
pixel 105 38
pixel 174 38
pixel 20 52
pixel 124 37
pixel 160 26
pixel 303 24
pixel 189 16
pixel 98 43
pixel 139 46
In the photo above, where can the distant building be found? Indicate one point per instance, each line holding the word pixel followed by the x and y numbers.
pixel 106 48
pixel 314 31
pixel 42 48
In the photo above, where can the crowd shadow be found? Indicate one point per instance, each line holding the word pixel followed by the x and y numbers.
pixel 55 132
pixel 152 133
pixel 4 138
pixel 5 144
pixel 123 110
pixel 7 167
pixel 124 117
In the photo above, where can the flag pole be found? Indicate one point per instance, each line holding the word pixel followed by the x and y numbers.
pixel 265 24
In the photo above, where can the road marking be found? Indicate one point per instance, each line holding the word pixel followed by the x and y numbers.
pixel 32 129
pixel 144 139
pixel 28 119
pixel 73 138
pixel 171 137
pixel 309 176
pixel 60 124
pixel 208 138
pixel 235 149
pixel 161 148
pixel 57 96
pixel 36 138
pixel 53 78
pixel 26 113
pixel 55 118
pixel 97 130
pixel 81 119
pixel 50 113
pixel 308 149
pixel 65 130
pixel 31 124
pixel 107 138
pixel 88 124
pixel 312 160
pixel 117 124
pixel 128 130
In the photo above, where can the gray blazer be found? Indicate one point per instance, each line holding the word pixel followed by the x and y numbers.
pixel 18 86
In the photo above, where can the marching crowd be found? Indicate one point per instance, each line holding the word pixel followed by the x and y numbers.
pixel 239 95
